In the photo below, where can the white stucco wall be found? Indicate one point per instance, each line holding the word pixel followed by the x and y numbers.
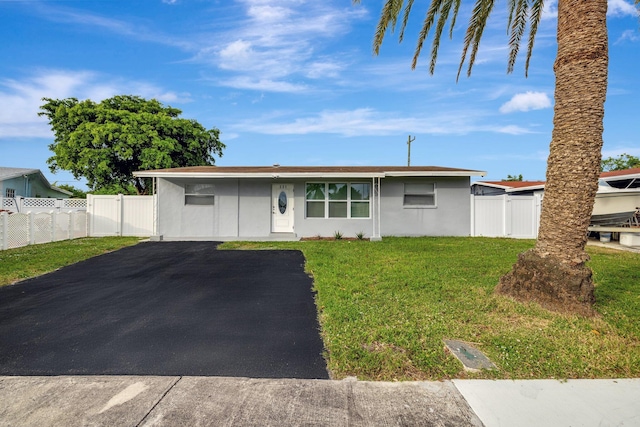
pixel 450 217
pixel 243 209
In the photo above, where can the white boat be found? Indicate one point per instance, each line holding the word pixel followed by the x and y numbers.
pixel 615 207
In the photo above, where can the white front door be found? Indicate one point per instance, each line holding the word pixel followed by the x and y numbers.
pixel 282 208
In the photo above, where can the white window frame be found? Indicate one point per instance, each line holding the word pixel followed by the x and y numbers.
pixel 327 201
pixel 10 193
pixel 409 189
pixel 203 193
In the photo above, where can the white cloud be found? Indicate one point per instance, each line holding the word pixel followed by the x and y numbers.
pixel 512 130
pixel 550 9
pixel 133 30
pixel 322 69
pixel 236 55
pixel 272 41
pixel 25 97
pixel 367 121
pixel 266 85
pixel 278 40
pixel 616 8
pixel 615 152
pixel 526 101
pixel 266 13
pixel 621 8
pixel 631 35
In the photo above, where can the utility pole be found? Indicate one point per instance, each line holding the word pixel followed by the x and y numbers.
pixel 409 141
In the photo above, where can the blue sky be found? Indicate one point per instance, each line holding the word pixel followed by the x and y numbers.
pixel 295 82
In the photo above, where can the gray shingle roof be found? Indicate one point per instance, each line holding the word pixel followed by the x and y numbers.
pixel 8 173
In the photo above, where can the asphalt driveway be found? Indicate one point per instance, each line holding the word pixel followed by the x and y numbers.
pixel 165 308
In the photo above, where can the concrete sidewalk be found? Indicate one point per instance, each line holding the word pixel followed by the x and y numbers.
pixel 225 401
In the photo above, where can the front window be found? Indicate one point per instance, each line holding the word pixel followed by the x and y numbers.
pixel 338 200
pixel 420 194
pixel 199 194
pixel 10 193
pixel 315 200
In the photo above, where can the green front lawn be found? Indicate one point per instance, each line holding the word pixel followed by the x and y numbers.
pixel 34 260
pixel 385 307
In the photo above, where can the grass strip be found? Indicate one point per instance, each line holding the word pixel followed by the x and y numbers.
pixel 34 260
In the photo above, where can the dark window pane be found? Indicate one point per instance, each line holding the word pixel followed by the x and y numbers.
pixel 360 210
pixel 198 200
pixel 420 199
pixel 315 191
pixel 337 191
pixel 338 210
pixel 419 188
pixel 360 191
pixel 315 209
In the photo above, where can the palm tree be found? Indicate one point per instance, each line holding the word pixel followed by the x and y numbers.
pixel 553 273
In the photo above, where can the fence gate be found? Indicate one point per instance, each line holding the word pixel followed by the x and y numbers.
pixel 105 215
pixel 505 216
pixel 120 215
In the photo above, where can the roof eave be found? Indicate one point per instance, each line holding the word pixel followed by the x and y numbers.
pixel 434 173
pixel 488 184
pixel 532 188
pixel 621 177
pixel 272 175
pixel 316 175
pixel 19 174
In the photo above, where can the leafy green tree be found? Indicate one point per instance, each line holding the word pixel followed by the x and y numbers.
pixel 106 142
pixel 76 193
pixel 127 189
pixel 513 178
pixel 554 272
pixel 620 163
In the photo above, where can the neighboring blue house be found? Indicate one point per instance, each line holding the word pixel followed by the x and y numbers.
pixel 23 182
pixel 291 202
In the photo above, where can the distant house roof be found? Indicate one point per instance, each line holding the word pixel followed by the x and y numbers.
pixel 623 174
pixel 10 173
pixel 277 171
pixel 513 186
pixel 518 186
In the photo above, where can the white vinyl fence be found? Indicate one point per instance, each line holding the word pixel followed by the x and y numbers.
pixel 39 204
pixel 506 216
pixel 28 221
pixel 120 215
pixel 22 229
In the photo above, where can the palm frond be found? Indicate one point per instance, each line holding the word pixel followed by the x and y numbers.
pixel 389 16
pixel 454 17
pixel 405 18
pixel 442 20
pixel 477 23
pixel 518 25
pixel 432 13
pixel 534 19
pixel 511 8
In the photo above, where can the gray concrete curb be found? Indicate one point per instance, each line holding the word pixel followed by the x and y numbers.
pixel 223 401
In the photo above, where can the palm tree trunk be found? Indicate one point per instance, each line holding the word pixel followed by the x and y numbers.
pixel 554 272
